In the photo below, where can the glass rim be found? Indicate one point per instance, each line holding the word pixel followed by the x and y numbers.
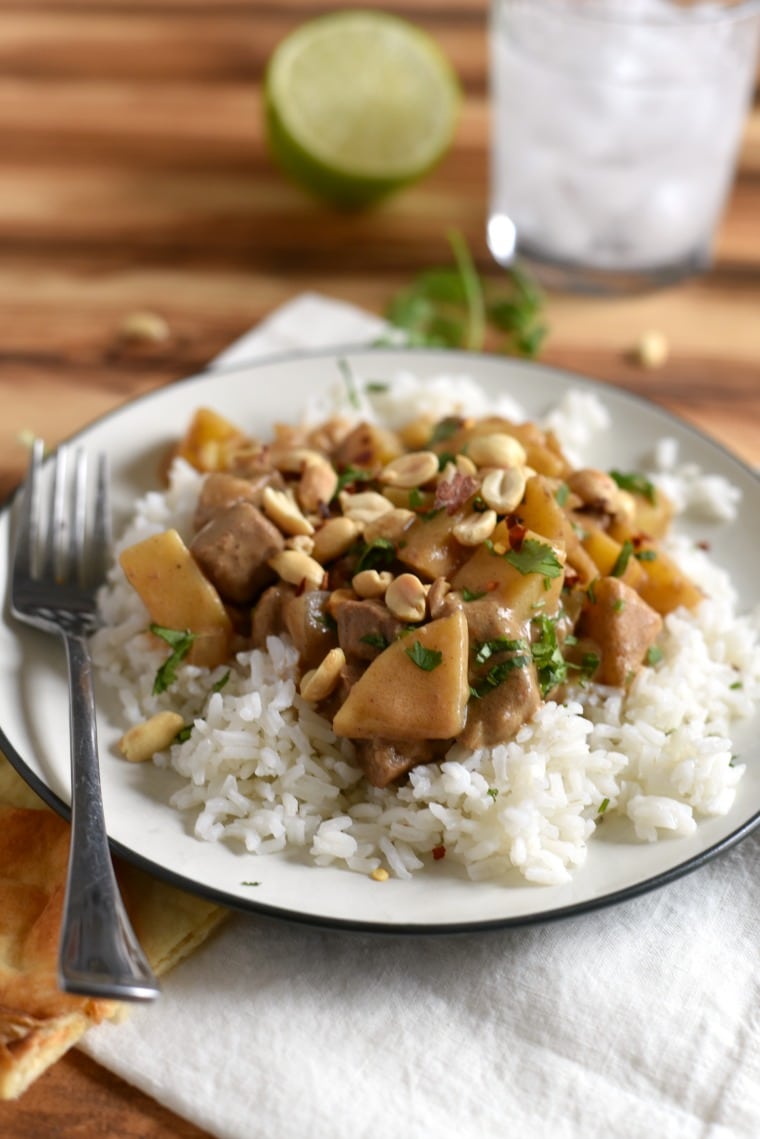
pixel 681 16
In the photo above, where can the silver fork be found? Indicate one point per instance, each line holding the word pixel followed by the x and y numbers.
pixel 60 559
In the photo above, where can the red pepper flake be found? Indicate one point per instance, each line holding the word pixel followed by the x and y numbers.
pixel 517 536
pixel 454 492
pixel 703 545
pixel 439 852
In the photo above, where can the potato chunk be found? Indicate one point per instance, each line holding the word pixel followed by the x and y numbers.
pixel 398 699
pixel 177 595
pixel 210 441
pixel 489 570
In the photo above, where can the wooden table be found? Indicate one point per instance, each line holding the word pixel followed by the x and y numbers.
pixel 134 177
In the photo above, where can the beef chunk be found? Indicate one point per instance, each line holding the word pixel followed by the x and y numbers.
pixel 233 550
pixel 384 761
pixel 623 626
pixel 221 490
pixel 365 628
pixel 502 710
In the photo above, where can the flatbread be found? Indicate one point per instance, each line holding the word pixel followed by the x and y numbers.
pixel 38 1022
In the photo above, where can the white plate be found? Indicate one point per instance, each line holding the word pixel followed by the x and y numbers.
pixel 33 695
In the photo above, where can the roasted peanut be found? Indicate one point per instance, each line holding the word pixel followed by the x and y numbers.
pixel 296 567
pixel 365 506
pixel 148 327
pixel 371 583
pixel 595 489
pixel 302 542
pixel 465 465
pixel 496 450
pixel 317 485
pixel 437 594
pixel 652 350
pixel 406 598
pixel 333 538
pixel 411 470
pixel 141 742
pixel 503 490
pixel 475 528
pixel 281 509
pixel 292 460
pixel 319 682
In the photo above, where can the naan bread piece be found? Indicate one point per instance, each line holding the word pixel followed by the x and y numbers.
pixel 38 1022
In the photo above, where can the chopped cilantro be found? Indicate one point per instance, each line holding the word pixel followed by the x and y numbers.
pixel 444 429
pixel 416 498
pixel 547 655
pixel 736 685
pixel 376 387
pixel 375 554
pixel 562 493
pixel 603 806
pixel 184 734
pixel 492 792
pixel 618 605
pixel 535 557
pixel 636 484
pixel 426 659
pixel 654 654
pixel 351 475
pixel 221 682
pixel 180 642
pixel 350 383
pixel 484 650
pixel 622 560
pixel 445 458
pixel 496 675
pixel 645 555
pixel 472 594
pixel 377 640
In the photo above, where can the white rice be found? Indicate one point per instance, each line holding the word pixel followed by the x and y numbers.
pixel 263 769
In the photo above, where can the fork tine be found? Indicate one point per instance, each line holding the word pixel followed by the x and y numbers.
pixel 78 516
pixel 55 555
pixel 29 515
pixel 101 526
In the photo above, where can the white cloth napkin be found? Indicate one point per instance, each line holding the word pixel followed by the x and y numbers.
pixel 636 1022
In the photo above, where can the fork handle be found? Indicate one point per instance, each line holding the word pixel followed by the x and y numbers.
pixel 99 952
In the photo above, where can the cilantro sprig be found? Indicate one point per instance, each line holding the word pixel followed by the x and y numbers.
pixel 180 642
pixel 456 307
pixel 535 557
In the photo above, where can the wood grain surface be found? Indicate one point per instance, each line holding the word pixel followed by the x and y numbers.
pixel 134 177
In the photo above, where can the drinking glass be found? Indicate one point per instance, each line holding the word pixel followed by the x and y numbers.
pixel 616 126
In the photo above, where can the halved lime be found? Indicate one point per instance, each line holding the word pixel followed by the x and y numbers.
pixel 358 104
